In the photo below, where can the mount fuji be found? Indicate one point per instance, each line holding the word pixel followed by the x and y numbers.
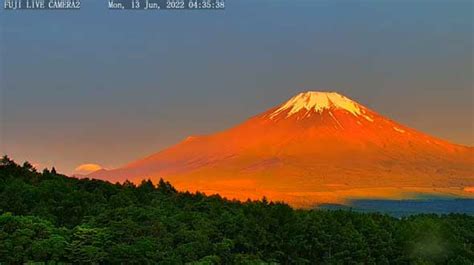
pixel 318 147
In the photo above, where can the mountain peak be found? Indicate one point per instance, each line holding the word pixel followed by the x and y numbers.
pixel 330 149
pixel 318 101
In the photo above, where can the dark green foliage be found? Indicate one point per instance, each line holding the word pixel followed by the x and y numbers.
pixel 47 217
pixel 27 238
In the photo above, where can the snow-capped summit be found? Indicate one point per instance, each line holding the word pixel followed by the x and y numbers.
pixel 317 101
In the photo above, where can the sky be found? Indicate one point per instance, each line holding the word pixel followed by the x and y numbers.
pixel 107 87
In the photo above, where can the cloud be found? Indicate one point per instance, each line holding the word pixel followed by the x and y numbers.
pixel 87 168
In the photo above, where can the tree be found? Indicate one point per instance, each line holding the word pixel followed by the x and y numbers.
pixel 6 161
pixel 88 245
pixel 165 187
pixel 26 238
pixel 57 219
pixel 28 166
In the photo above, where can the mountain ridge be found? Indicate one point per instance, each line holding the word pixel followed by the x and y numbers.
pixel 317 147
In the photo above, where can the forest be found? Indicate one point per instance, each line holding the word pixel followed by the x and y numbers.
pixel 49 218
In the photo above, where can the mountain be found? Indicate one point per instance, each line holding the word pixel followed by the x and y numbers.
pixel 318 147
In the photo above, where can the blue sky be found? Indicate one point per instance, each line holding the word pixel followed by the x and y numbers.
pixel 108 87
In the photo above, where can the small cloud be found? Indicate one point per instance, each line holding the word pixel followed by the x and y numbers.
pixel 87 168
